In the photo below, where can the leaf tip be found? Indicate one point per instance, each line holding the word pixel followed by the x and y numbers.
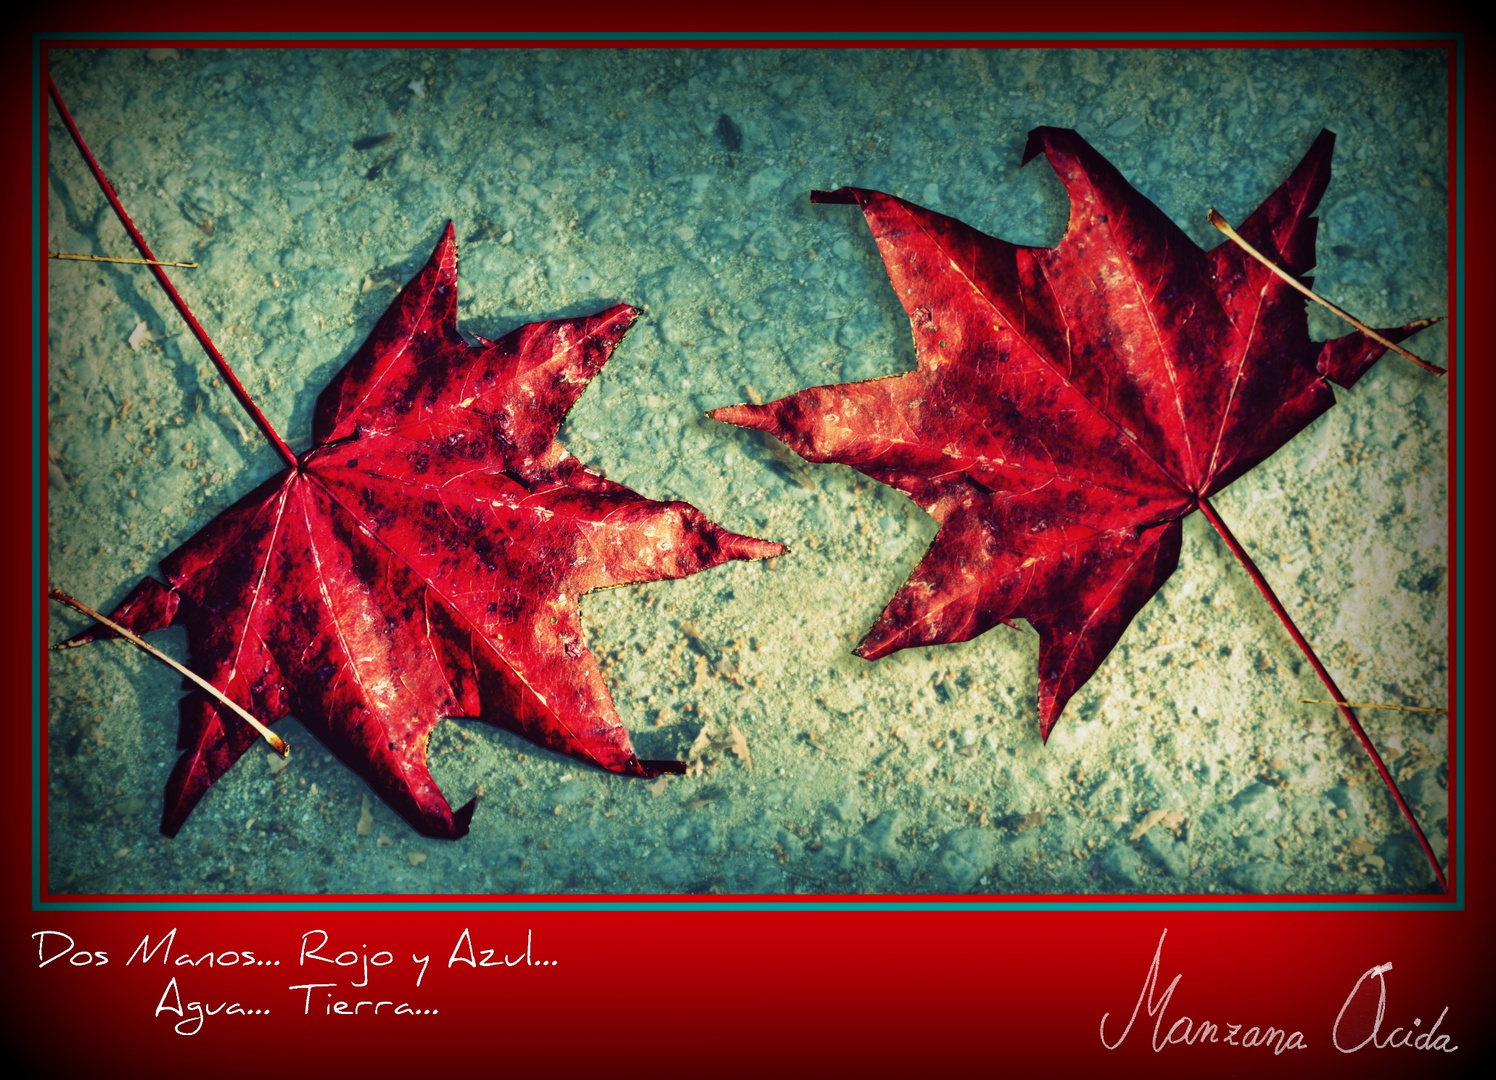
pixel 745 416
pixel 1038 142
pixel 749 548
pixel 622 317
pixel 462 819
pixel 1050 708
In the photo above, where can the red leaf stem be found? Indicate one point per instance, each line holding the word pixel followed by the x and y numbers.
pixel 176 298
pixel 1324 677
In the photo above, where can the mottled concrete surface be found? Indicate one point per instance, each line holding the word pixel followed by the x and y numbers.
pixel 677 181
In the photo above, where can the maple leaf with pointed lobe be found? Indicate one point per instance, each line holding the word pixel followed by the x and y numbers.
pixel 1071 406
pixel 424 559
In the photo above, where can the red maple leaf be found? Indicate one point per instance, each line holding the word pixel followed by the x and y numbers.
pixel 424 559
pixel 1071 406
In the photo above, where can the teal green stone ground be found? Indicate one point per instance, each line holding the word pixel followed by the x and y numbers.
pixel 579 178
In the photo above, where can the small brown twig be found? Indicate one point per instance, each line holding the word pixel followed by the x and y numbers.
pixel 1366 705
pixel 1221 223
pixel 117 259
pixel 276 742
pixel 819 746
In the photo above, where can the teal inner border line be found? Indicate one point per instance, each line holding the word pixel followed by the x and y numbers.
pixel 798 903
pixel 807 904
pixel 1460 509
pixel 730 36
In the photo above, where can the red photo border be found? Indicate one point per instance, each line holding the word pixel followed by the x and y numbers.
pixel 733 991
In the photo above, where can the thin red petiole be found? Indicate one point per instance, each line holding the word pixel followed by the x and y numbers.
pixel 176 298
pixel 1324 677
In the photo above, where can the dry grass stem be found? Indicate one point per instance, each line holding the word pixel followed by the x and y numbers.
pixel 276 742
pixel 1368 705
pixel 117 259
pixel 1221 223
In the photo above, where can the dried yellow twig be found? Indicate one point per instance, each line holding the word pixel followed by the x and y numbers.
pixel 1367 705
pixel 276 742
pixel 114 258
pixel 1221 223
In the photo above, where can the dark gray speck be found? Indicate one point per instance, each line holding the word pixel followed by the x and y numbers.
pixel 729 134
pixel 369 142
